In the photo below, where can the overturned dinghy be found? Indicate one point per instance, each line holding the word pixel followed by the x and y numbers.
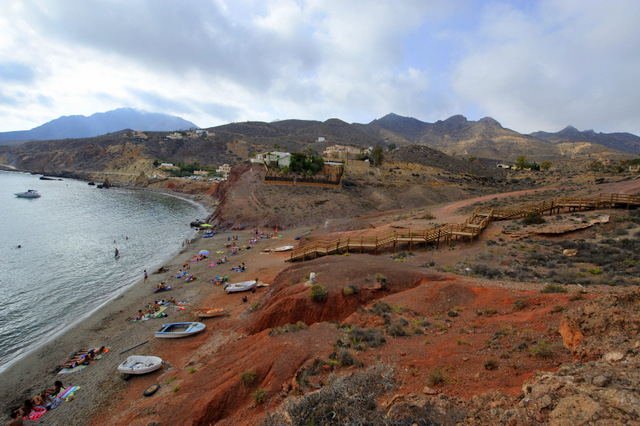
pixel 139 364
pixel 179 329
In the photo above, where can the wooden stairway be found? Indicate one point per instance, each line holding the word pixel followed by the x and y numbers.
pixel 470 228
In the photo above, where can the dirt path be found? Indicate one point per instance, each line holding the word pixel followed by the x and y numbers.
pixel 447 211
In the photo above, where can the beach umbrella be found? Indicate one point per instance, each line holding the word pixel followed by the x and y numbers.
pixel 205 225
pixel 205 252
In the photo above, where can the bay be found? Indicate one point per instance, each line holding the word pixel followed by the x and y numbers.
pixel 66 268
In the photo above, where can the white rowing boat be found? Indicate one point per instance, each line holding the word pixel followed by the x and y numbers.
pixel 179 329
pixel 238 287
pixel 139 364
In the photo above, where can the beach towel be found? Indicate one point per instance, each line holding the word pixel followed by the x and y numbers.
pixel 67 393
pixel 35 414
pixel 72 369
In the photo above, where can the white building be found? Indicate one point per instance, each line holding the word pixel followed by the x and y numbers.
pixel 224 170
pixel 283 159
pixel 174 136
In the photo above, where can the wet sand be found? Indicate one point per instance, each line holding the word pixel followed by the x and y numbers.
pixel 100 381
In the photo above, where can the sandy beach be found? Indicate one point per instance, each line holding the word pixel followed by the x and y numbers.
pixel 100 382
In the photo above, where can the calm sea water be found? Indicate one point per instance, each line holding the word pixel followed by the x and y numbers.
pixel 66 267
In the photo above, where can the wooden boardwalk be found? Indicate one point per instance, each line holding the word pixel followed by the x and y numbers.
pixel 470 229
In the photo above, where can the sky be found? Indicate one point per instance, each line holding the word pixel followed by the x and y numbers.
pixel 531 65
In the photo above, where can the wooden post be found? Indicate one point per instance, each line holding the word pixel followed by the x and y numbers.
pixel 410 240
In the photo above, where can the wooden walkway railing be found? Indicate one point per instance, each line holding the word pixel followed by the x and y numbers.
pixel 470 228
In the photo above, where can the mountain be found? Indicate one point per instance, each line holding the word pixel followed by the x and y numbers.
pixel 626 142
pixel 458 136
pixel 80 126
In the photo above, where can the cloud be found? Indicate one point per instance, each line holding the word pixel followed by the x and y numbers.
pixel 559 64
pixel 534 65
pixel 16 72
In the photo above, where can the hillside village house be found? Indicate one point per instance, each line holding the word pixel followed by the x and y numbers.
pixel 138 134
pixel 341 152
pixel 174 136
pixel 282 159
pixel 224 170
pixel 168 166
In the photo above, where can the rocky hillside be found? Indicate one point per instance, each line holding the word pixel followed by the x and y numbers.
pixel 570 135
pixel 232 143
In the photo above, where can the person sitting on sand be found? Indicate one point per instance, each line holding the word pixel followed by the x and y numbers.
pixel 17 419
pixel 171 300
pixel 140 315
pixel 156 306
pixel 38 401
pixel 55 390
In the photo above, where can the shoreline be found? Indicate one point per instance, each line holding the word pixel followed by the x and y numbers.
pixel 32 372
pixel 100 382
pixel 107 326
pixel 132 280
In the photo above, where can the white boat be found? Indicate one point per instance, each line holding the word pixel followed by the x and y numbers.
pixel 238 287
pixel 138 364
pixel 283 248
pixel 179 329
pixel 31 193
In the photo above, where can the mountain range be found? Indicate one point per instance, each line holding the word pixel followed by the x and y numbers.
pixel 80 126
pixel 234 142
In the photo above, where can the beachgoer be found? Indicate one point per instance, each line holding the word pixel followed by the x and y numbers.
pixel 117 253
pixel 244 299
pixel 146 276
pixel 38 401
pixel 156 306
pixel 140 315
pixel 19 245
pixel 18 418
pixel 243 267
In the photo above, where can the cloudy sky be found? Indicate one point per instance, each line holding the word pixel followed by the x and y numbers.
pixel 531 65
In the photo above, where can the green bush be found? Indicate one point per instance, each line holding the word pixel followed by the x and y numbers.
pixel 345 358
pixel 519 304
pixel 436 377
pixel 288 328
pixel 372 337
pixel 491 364
pixel 533 218
pixel 542 349
pixel 248 377
pixel 259 395
pixel 554 288
pixel 318 293
pixel 380 308
pixel 350 289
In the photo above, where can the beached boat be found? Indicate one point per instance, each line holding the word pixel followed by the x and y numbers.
pixel 283 248
pixel 209 313
pixel 179 329
pixel 31 193
pixel 237 287
pixel 138 364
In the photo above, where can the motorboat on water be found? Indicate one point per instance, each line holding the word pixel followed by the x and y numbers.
pixel 31 193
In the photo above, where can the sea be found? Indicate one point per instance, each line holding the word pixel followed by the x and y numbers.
pixel 65 267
